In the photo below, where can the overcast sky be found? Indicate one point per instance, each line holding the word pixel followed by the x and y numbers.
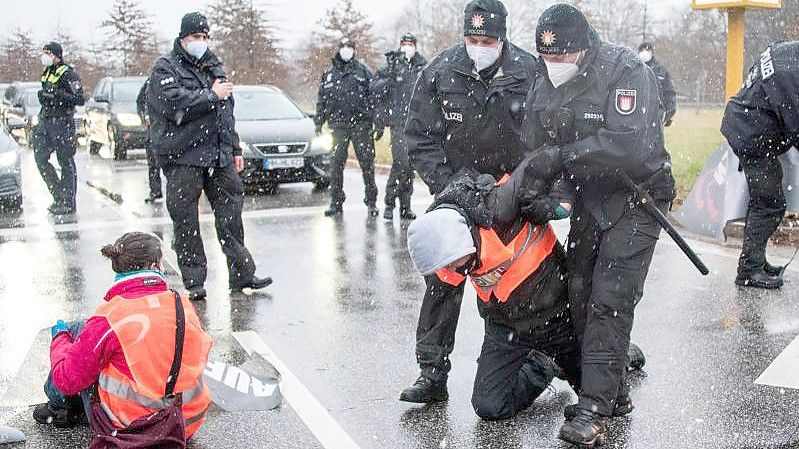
pixel 294 18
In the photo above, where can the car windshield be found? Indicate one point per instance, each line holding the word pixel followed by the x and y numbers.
pixel 127 91
pixel 264 106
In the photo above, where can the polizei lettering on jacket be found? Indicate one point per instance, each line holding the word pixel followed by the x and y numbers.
pixel 453 116
pixel 766 64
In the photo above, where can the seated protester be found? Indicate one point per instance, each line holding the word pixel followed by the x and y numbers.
pixel 517 268
pixel 121 357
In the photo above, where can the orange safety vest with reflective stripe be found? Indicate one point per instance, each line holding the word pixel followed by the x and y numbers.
pixel 504 267
pixel 145 328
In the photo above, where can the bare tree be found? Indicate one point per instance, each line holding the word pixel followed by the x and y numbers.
pixel 130 37
pixel 19 60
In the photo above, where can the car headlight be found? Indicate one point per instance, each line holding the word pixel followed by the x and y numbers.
pixel 34 120
pixel 129 120
pixel 8 158
pixel 246 149
pixel 322 142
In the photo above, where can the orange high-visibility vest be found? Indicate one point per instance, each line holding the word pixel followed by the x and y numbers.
pixel 145 328
pixel 504 267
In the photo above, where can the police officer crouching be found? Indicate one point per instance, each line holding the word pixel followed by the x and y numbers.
pixel 61 92
pixel 761 122
pixel 595 116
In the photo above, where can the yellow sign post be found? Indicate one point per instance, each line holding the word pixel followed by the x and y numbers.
pixel 735 34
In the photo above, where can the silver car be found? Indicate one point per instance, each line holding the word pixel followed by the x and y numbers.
pixel 10 178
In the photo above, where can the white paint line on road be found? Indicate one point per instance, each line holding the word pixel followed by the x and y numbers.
pixel 318 420
pixel 784 370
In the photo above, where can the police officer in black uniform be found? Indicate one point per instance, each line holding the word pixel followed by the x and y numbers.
pixel 595 115
pixel 193 134
pixel 392 88
pixel 762 122
pixel 466 113
pixel 61 92
pixel 153 171
pixel 345 104
pixel 668 96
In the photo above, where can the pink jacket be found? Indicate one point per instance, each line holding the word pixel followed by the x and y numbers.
pixel 76 365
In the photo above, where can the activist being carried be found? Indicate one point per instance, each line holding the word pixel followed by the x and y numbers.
pixel 517 267
pixel 135 361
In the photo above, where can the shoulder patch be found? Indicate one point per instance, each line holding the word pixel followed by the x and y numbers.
pixel 167 80
pixel 626 101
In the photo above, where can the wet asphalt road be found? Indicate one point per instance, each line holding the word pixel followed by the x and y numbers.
pixel 342 315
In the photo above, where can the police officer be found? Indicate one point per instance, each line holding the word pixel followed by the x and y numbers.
pixel 392 88
pixel 345 104
pixel 153 172
pixel 466 113
pixel 595 115
pixel 193 134
pixel 668 96
pixel 61 92
pixel 761 122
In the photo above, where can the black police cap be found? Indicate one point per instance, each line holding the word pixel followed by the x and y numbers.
pixel 485 18
pixel 193 22
pixel 55 48
pixel 562 29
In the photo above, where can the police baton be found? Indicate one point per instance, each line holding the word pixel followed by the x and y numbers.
pixel 649 205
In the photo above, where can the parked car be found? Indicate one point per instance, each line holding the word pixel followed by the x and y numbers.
pixel 23 114
pixel 111 117
pixel 10 178
pixel 11 96
pixel 278 140
pixel 80 120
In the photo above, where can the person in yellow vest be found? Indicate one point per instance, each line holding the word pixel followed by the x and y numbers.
pixel 517 268
pixel 123 355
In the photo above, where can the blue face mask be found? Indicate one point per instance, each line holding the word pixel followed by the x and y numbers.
pixel 197 48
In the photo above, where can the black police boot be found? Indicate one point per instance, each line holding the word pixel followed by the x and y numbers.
pixel 636 356
pixel 586 429
pixel 153 197
pixel 623 406
pixel 373 210
pixel 53 206
pixel 197 294
pixel 772 270
pixel 61 417
pixel 426 391
pixel 334 210
pixel 758 279
pixel 63 209
pixel 254 283
pixel 407 214
pixel 388 213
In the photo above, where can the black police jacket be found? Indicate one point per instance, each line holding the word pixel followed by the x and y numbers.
pixel 344 98
pixel 762 120
pixel 392 87
pixel 668 95
pixel 456 120
pixel 61 91
pixel 606 121
pixel 189 124
pixel 141 102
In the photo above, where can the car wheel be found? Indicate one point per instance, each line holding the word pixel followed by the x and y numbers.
pixel 13 205
pixel 117 150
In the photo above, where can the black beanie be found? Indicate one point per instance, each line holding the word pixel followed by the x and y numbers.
pixel 485 18
pixel 55 48
pixel 408 37
pixel 646 46
pixel 346 42
pixel 193 22
pixel 562 29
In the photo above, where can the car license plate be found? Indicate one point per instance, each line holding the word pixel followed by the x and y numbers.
pixel 283 162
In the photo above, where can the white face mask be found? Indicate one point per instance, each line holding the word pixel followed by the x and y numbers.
pixel 197 48
pixel 483 57
pixel 560 73
pixel 645 55
pixel 47 60
pixel 409 50
pixel 346 53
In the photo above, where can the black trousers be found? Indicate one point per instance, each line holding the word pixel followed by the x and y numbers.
pixel 57 134
pixel 607 270
pixel 400 179
pixel 153 173
pixel 766 209
pixel 507 381
pixel 360 134
pixel 438 321
pixel 224 189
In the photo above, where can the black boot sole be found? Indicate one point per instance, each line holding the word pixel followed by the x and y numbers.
pixel 431 399
pixel 749 283
pixel 598 440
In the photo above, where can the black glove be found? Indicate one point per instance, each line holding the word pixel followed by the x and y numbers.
pixel 378 132
pixel 539 209
pixel 544 163
pixel 318 130
pixel 46 96
pixel 468 190
pixel 667 122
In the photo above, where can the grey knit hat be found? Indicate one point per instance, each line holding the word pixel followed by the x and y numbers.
pixel 439 238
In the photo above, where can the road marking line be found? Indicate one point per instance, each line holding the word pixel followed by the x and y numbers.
pixel 782 372
pixel 315 416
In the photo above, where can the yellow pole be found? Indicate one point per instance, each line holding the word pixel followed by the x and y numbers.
pixel 735 50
